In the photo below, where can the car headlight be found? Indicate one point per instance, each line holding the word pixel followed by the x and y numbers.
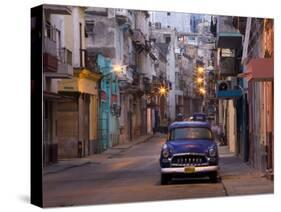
pixel 165 153
pixel 212 152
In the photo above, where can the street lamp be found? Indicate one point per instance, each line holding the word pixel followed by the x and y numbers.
pixel 200 70
pixel 162 91
pixel 202 91
pixel 118 69
pixel 199 80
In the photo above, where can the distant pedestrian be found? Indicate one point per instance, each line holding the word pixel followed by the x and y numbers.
pixel 179 117
pixel 221 135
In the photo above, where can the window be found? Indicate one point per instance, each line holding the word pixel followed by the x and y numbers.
pixel 167 39
pixel 89 27
pixel 190 133
pixel 168 13
pixel 227 53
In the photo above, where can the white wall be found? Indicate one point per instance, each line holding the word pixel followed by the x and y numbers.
pixel 77 17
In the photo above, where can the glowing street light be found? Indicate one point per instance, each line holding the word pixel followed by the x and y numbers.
pixel 202 91
pixel 200 70
pixel 199 80
pixel 118 69
pixel 162 91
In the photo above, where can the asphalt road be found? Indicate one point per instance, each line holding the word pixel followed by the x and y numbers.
pixel 130 175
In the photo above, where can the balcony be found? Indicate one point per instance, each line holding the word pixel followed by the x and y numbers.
pixel 230 40
pixel 50 60
pixel 227 35
pixel 50 46
pixel 64 65
pixel 65 62
pixel 50 63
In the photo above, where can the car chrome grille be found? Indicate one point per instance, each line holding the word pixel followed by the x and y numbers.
pixel 189 160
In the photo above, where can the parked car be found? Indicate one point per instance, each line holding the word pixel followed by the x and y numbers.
pixel 199 117
pixel 190 151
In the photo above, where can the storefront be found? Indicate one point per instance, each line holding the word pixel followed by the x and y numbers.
pixel 77 120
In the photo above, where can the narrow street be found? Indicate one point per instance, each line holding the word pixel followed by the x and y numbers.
pixel 132 175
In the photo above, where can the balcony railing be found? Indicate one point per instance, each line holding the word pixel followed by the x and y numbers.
pixel 65 56
pixel 50 39
pixel 65 62
pixel 227 35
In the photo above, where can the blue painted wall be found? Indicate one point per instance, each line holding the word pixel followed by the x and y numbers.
pixel 108 122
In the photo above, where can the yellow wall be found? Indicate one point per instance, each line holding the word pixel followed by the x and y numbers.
pixel 231 127
pixel 87 86
pixel 78 85
pixel 70 85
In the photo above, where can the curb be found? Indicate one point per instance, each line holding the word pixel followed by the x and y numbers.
pixel 89 162
pixel 144 140
pixel 66 168
pixel 134 143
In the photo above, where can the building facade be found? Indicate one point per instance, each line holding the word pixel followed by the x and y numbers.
pixel 57 65
pixel 257 60
pixel 77 123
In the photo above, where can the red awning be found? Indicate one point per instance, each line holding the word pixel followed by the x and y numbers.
pixel 259 69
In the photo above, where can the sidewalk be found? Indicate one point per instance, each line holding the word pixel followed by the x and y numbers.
pixel 66 164
pixel 238 178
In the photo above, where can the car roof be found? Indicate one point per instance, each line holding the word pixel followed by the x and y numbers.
pixel 179 124
pixel 199 114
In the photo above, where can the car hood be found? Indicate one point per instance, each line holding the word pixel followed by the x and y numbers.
pixel 191 146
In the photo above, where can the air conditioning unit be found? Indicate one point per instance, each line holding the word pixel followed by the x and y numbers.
pixel 227 89
pixel 223 85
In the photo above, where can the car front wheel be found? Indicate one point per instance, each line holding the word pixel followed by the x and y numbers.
pixel 165 178
pixel 213 177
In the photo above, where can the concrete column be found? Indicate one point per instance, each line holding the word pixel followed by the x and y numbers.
pixel 76 38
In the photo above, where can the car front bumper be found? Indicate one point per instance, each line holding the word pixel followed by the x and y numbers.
pixel 182 170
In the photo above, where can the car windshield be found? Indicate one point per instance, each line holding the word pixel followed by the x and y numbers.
pixel 190 133
pixel 200 117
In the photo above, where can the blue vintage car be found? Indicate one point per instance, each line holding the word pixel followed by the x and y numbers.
pixel 190 151
pixel 199 117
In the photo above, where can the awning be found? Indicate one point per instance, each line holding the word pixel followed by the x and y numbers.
pixel 259 69
pixel 56 97
pixel 229 40
pixel 228 94
pixel 83 81
pixel 87 74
